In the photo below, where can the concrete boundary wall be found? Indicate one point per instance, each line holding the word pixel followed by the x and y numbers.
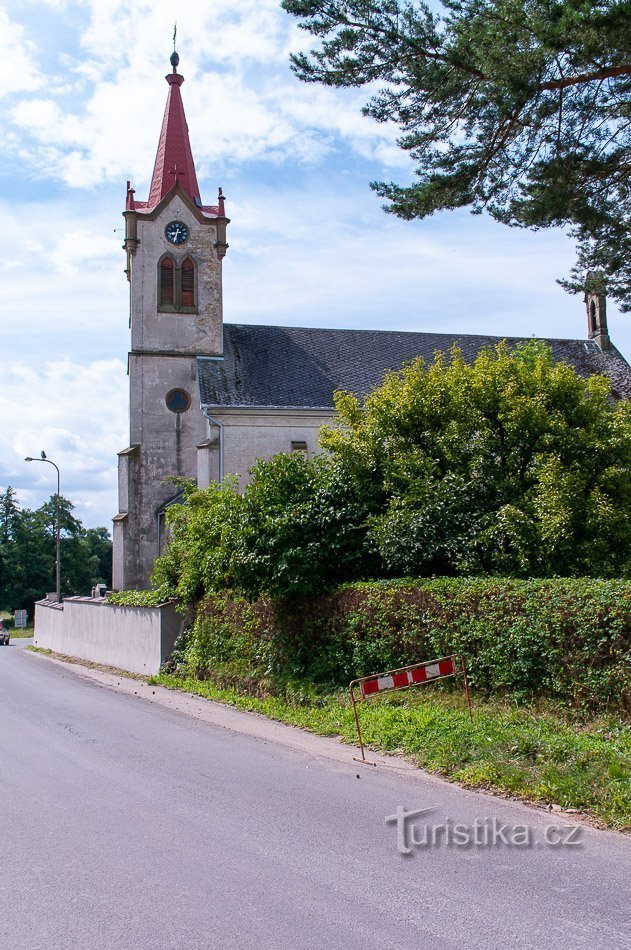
pixel 137 639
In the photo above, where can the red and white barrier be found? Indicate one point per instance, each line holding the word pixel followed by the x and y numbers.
pixel 408 677
pixel 414 675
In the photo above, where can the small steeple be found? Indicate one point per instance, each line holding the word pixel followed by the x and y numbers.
pixel 596 304
pixel 174 159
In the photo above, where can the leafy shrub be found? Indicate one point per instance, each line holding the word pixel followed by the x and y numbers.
pixel 512 465
pixel 298 527
pixel 201 540
pixel 138 598
pixel 563 638
pixel 301 528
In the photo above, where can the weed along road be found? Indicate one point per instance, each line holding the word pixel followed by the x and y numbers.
pixel 134 817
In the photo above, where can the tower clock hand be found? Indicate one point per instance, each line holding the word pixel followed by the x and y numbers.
pixel 176 232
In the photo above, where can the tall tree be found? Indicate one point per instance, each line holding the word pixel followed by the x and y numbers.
pixel 512 465
pixel 27 552
pixel 517 107
pixel 9 515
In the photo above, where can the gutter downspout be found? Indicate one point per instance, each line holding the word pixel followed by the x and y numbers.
pixel 219 425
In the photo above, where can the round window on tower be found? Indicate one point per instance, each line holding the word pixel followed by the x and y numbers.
pixel 178 400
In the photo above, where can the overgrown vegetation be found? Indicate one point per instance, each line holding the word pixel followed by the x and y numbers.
pixel 510 478
pixel 512 465
pixel 548 663
pixel 569 640
pixel 137 598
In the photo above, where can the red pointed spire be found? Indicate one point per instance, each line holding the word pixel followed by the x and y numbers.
pixel 174 160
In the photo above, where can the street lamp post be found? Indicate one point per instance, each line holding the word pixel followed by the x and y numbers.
pixel 58 532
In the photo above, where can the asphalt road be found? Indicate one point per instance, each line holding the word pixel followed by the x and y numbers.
pixel 128 824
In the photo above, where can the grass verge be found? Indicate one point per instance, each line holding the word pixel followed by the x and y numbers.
pixel 534 754
pixel 89 664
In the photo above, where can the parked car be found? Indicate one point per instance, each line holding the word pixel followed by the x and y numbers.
pixel 4 634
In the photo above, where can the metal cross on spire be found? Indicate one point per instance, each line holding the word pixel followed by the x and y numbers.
pixel 175 59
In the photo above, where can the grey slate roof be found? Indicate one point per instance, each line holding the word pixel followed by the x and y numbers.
pixel 301 367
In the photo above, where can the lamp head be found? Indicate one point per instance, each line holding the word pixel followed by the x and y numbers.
pixel 29 459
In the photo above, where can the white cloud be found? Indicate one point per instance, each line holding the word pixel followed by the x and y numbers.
pixel 20 72
pixel 58 5
pixel 62 287
pixel 59 241
pixel 79 247
pixel 243 103
pixel 309 243
pixel 78 415
pixel 326 255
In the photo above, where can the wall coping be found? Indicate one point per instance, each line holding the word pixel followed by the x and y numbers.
pixel 101 602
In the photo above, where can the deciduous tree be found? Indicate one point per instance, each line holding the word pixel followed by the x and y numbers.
pixel 27 553
pixel 511 465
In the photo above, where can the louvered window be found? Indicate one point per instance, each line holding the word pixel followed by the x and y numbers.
pixel 166 282
pixel 187 278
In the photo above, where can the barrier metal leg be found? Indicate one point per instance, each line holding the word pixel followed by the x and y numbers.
pixel 363 760
pixel 466 688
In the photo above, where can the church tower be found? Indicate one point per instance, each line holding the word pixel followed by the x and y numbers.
pixel 175 246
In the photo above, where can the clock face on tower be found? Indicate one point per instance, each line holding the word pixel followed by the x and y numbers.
pixel 176 232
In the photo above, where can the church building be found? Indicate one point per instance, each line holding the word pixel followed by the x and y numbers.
pixel 208 398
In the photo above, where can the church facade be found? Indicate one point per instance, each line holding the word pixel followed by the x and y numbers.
pixel 208 398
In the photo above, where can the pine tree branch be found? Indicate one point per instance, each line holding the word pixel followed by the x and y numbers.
pixel 605 73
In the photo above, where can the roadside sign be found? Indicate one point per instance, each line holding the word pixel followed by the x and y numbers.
pixel 20 619
pixel 418 673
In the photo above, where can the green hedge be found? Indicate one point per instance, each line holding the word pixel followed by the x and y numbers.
pixel 563 638
pixel 139 598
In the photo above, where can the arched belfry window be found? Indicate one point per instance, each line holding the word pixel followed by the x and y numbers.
pixel 167 282
pixel 187 283
pixel 592 316
pixel 176 285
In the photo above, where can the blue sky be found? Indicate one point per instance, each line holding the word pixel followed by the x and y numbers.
pixel 82 100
